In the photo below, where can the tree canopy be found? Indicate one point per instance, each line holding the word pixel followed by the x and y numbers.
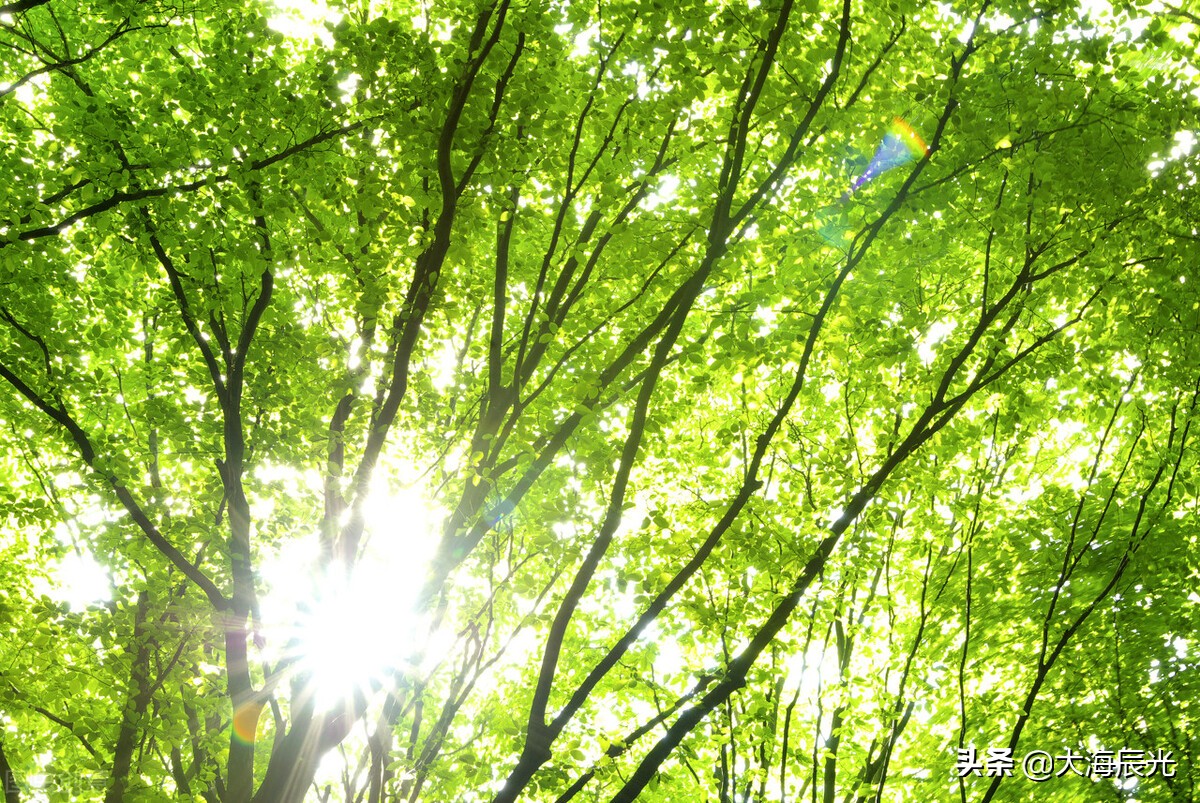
pixel 547 400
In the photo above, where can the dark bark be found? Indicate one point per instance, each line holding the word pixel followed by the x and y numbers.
pixel 21 5
pixel 12 792
pixel 138 702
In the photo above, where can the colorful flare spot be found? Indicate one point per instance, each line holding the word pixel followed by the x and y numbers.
pixel 901 144
pixel 834 225
pixel 245 722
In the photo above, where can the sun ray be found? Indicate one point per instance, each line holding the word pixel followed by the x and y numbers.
pixel 344 630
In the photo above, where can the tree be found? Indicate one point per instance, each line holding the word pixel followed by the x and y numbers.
pixel 547 401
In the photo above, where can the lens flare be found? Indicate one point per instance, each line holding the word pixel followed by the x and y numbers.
pixel 900 145
pixel 245 721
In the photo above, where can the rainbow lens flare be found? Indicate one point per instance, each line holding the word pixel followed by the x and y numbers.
pixel 901 144
pixel 245 721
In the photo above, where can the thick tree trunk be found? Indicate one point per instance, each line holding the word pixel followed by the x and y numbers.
pixel 12 793
pixel 140 689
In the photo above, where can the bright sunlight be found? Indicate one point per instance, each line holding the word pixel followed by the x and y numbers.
pixel 348 632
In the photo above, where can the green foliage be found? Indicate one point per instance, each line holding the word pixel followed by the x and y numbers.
pixel 552 401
